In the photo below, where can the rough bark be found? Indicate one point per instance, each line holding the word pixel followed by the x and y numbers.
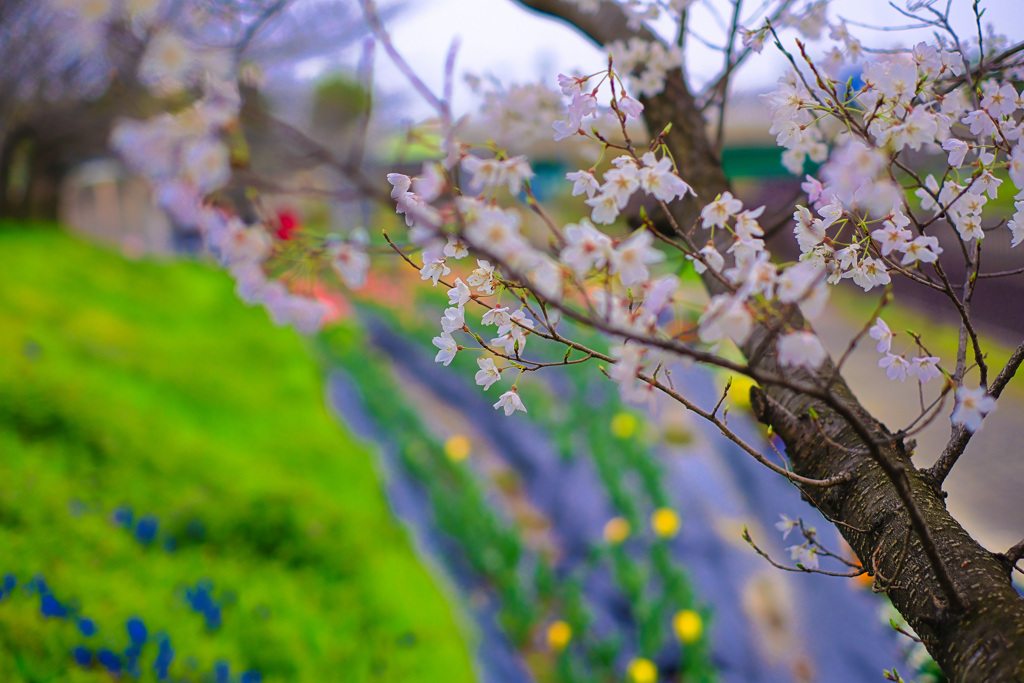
pixel 976 635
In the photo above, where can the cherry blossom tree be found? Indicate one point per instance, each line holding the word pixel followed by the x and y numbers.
pixel 872 212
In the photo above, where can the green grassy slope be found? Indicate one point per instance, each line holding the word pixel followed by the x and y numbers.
pixel 151 386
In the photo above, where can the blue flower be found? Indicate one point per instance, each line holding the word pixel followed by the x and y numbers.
pixel 137 632
pixel 83 656
pixel 109 661
pixel 251 676
pixel 49 606
pixel 164 657
pixel 38 584
pixel 10 581
pixel 87 627
pixel 213 617
pixel 221 672
pixel 123 516
pixel 145 530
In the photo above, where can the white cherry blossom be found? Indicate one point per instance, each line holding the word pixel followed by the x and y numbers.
pixel 488 374
pixel 510 402
pixel 972 405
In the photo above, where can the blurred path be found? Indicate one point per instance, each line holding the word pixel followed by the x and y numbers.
pixel 768 627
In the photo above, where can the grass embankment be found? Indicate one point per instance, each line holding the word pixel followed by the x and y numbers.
pixel 150 387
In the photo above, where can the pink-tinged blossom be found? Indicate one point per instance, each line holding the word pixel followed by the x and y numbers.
pixel 570 85
pixel 657 179
pixel 969 228
pixel 456 248
pixel 725 317
pixel 957 151
pixel 431 182
pixel 869 273
pixel 482 277
pixel 918 128
pixel 831 212
pixel 660 292
pixel 896 367
pixel 586 247
pixel 350 263
pixel 434 270
pixel 206 165
pixel 980 122
pixel 753 40
pixel 621 182
pixel 447 346
pixel 797 281
pixel 510 402
pixel 630 107
pixel 747 226
pixel 1016 224
pixel 606 208
pixel 305 314
pixel 1016 167
pixel 239 243
pixel 924 248
pixel 882 334
pixel 925 368
pixel 718 212
pixel 498 231
pixel 972 405
pixel 999 100
pixel 805 555
pixel 401 184
pixel 812 187
pixel 786 525
pixel 516 171
pixel 583 181
pixel 498 316
pixel 712 258
pixel 488 374
pixel 987 183
pixel 459 295
pixel 513 333
pixel 486 173
pixel 899 82
pixel 809 231
pixel 583 104
pixel 891 237
pixel 928 193
pixel 453 319
pixel 546 278
pixel 166 63
pixel 565 129
pixel 631 258
pixel 801 349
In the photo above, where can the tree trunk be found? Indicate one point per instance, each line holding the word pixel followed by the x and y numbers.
pixel 979 636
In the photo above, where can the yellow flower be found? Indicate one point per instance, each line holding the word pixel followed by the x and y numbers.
pixel 665 522
pixel 688 626
pixel 457 448
pixel 739 392
pixel 616 530
pixel 559 635
pixel 623 425
pixel 642 670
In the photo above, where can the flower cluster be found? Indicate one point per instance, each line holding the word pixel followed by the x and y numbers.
pixel 585 102
pixel 654 176
pixel 923 367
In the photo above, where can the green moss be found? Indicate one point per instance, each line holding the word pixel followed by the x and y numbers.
pixel 150 385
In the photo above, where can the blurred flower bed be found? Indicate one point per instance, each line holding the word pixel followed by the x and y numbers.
pixel 175 501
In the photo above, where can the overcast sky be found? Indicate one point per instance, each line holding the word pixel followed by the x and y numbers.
pixel 501 38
